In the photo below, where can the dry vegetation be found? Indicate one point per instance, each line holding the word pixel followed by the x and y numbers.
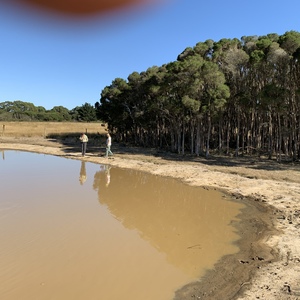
pixel 49 129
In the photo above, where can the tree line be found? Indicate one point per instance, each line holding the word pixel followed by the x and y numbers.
pixel 234 96
pixel 26 111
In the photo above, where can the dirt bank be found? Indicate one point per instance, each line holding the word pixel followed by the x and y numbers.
pixel 268 264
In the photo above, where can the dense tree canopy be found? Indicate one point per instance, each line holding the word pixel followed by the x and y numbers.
pixel 240 96
pixel 26 111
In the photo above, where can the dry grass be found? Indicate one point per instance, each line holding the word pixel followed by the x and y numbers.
pixel 48 129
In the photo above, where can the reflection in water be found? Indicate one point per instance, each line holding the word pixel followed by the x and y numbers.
pixel 107 172
pixel 82 176
pixel 102 175
pixel 189 225
pixel 138 237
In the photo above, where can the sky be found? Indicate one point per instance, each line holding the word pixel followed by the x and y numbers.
pixel 52 60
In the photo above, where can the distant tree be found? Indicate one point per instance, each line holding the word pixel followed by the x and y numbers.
pixel 62 113
pixel 40 109
pixel 87 113
pixel 74 113
pixel 5 116
pixel 19 110
pixel 26 111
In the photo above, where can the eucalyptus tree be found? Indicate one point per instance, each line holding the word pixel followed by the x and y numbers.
pixel 236 68
pixel 112 110
pixel 233 62
pixel 19 110
pixel 74 113
pixel 290 42
pixel 86 113
pixel 273 97
pixel 171 103
pixel 200 92
pixel 215 93
pixel 183 90
pixel 40 113
pixel 205 50
pixel 296 76
pixel 259 74
pixel 145 98
pixel 61 113
pixel 274 94
pixel 133 104
pixel 269 84
pixel 152 117
pixel 247 89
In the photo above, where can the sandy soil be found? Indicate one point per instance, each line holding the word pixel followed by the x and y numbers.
pixel 268 263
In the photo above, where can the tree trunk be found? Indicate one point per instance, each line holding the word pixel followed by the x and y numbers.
pixel 238 133
pixel 208 133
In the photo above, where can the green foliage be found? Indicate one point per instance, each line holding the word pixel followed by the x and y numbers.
pixel 87 113
pixel 26 111
pixel 191 104
pixel 290 41
pixel 264 43
pixel 228 93
pixel 17 110
pixel 257 56
pixel 228 88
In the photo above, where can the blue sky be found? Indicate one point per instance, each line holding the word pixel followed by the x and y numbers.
pixel 50 62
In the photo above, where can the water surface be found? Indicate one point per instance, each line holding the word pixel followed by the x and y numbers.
pixel 79 230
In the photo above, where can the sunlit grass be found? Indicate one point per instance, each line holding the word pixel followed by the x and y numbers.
pixel 49 129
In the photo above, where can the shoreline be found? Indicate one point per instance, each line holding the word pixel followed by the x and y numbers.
pixel 254 227
pixel 268 263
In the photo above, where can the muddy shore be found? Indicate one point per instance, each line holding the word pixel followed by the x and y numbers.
pixel 268 263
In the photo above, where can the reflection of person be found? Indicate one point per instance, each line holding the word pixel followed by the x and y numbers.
pixel 107 172
pixel 108 145
pixel 103 173
pixel 82 176
pixel 84 139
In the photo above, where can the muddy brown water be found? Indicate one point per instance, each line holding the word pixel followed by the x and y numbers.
pixel 79 230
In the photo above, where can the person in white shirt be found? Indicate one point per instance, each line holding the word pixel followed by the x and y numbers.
pixel 108 145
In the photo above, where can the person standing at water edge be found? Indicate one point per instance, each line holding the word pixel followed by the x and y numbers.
pixel 108 145
pixel 84 139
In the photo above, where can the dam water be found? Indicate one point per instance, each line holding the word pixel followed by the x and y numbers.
pixel 71 229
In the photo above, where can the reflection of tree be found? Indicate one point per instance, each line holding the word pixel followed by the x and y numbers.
pixel 3 157
pixel 188 224
pixel 82 176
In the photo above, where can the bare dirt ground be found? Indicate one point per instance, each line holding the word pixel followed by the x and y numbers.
pixel 268 263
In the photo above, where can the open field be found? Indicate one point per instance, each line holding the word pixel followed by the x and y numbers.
pixel 49 129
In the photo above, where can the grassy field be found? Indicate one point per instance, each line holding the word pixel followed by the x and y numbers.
pixel 49 129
